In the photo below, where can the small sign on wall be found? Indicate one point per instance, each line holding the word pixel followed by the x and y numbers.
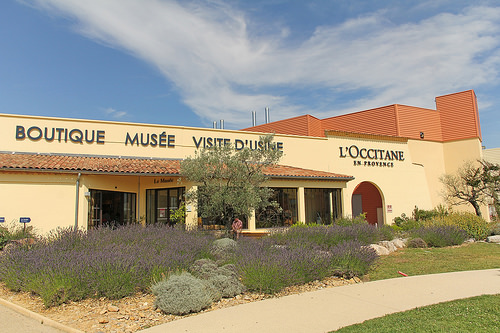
pixel 389 208
pixel 2 219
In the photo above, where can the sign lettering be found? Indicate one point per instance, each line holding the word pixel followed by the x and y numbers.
pixel 371 156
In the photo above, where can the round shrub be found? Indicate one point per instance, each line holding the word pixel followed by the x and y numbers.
pixel 222 248
pixel 224 279
pixel 473 225
pixel 416 243
pixel 182 293
pixel 203 268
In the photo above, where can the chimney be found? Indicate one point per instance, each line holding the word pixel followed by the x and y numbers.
pixel 214 124
pixel 267 115
pixel 254 118
pixel 222 124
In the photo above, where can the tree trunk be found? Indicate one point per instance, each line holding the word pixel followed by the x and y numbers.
pixel 476 208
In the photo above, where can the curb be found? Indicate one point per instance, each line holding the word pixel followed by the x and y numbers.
pixel 38 317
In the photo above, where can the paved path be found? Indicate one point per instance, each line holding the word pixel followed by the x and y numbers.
pixel 14 322
pixel 16 319
pixel 332 308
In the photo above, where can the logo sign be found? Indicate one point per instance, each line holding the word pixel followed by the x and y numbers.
pixel 24 220
pixel 2 219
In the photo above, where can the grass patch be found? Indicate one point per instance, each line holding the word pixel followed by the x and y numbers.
pixel 436 260
pixel 476 314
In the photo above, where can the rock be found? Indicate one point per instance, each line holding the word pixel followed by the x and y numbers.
pixel 113 308
pixel 103 321
pixel 379 249
pixel 103 312
pixel 493 239
pixel 388 245
pixel 398 242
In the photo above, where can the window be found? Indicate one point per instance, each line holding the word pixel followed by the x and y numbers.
pixel 111 208
pixel 323 205
pixel 161 202
pixel 284 215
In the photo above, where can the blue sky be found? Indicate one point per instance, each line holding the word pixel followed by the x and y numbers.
pixel 191 63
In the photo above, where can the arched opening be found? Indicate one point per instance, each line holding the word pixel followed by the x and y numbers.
pixel 366 198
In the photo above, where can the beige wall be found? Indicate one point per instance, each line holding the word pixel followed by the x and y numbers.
pixel 412 181
pixel 48 199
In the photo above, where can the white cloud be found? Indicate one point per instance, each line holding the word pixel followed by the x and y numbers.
pixel 115 113
pixel 223 71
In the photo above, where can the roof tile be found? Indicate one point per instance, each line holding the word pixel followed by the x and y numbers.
pixel 127 165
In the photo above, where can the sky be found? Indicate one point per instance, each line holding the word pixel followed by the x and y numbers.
pixel 190 62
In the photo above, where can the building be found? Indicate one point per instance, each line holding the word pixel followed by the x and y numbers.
pixel 383 162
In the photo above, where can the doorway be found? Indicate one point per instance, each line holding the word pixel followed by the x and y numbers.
pixel 367 199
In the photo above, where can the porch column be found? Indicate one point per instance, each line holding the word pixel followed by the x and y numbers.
pixel 251 221
pixel 191 211
pixel 301 198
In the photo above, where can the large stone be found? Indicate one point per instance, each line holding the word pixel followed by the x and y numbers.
pixel 493 239
pixel 388 245
pixel 379 249
pixel 399 243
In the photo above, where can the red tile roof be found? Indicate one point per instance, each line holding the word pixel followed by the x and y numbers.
pixel 132 166
pixel 284 171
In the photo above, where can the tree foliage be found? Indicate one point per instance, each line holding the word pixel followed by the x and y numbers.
pixel 474 183
pixel 229 180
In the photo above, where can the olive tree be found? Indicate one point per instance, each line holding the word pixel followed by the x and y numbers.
pixel 230 181
pixel 474 184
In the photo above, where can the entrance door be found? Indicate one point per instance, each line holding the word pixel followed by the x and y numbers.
pixel 111 208
pixel 366 198
pixel 357 205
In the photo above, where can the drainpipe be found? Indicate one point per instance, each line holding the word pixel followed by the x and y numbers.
pixel 77 199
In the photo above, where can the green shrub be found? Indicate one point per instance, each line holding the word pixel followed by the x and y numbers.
pixel 473 225
pixel 346 221
pixel 385 232
pixel 182 293
pixel 419 216
pixel 15 232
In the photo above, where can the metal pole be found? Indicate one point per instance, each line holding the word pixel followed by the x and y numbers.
pixel 77 199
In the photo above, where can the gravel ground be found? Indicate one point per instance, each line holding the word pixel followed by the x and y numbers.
pixel 137 312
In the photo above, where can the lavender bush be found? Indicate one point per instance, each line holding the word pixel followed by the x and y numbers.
pixel 440 236
pixel 267 266
pixel 70 265
pixel 326 237
pixel 114 263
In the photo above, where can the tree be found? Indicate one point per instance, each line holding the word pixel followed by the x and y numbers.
pixel 474 183
pixel 229 180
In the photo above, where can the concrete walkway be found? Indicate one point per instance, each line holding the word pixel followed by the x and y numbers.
pixel 332 308
pixel 14 321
